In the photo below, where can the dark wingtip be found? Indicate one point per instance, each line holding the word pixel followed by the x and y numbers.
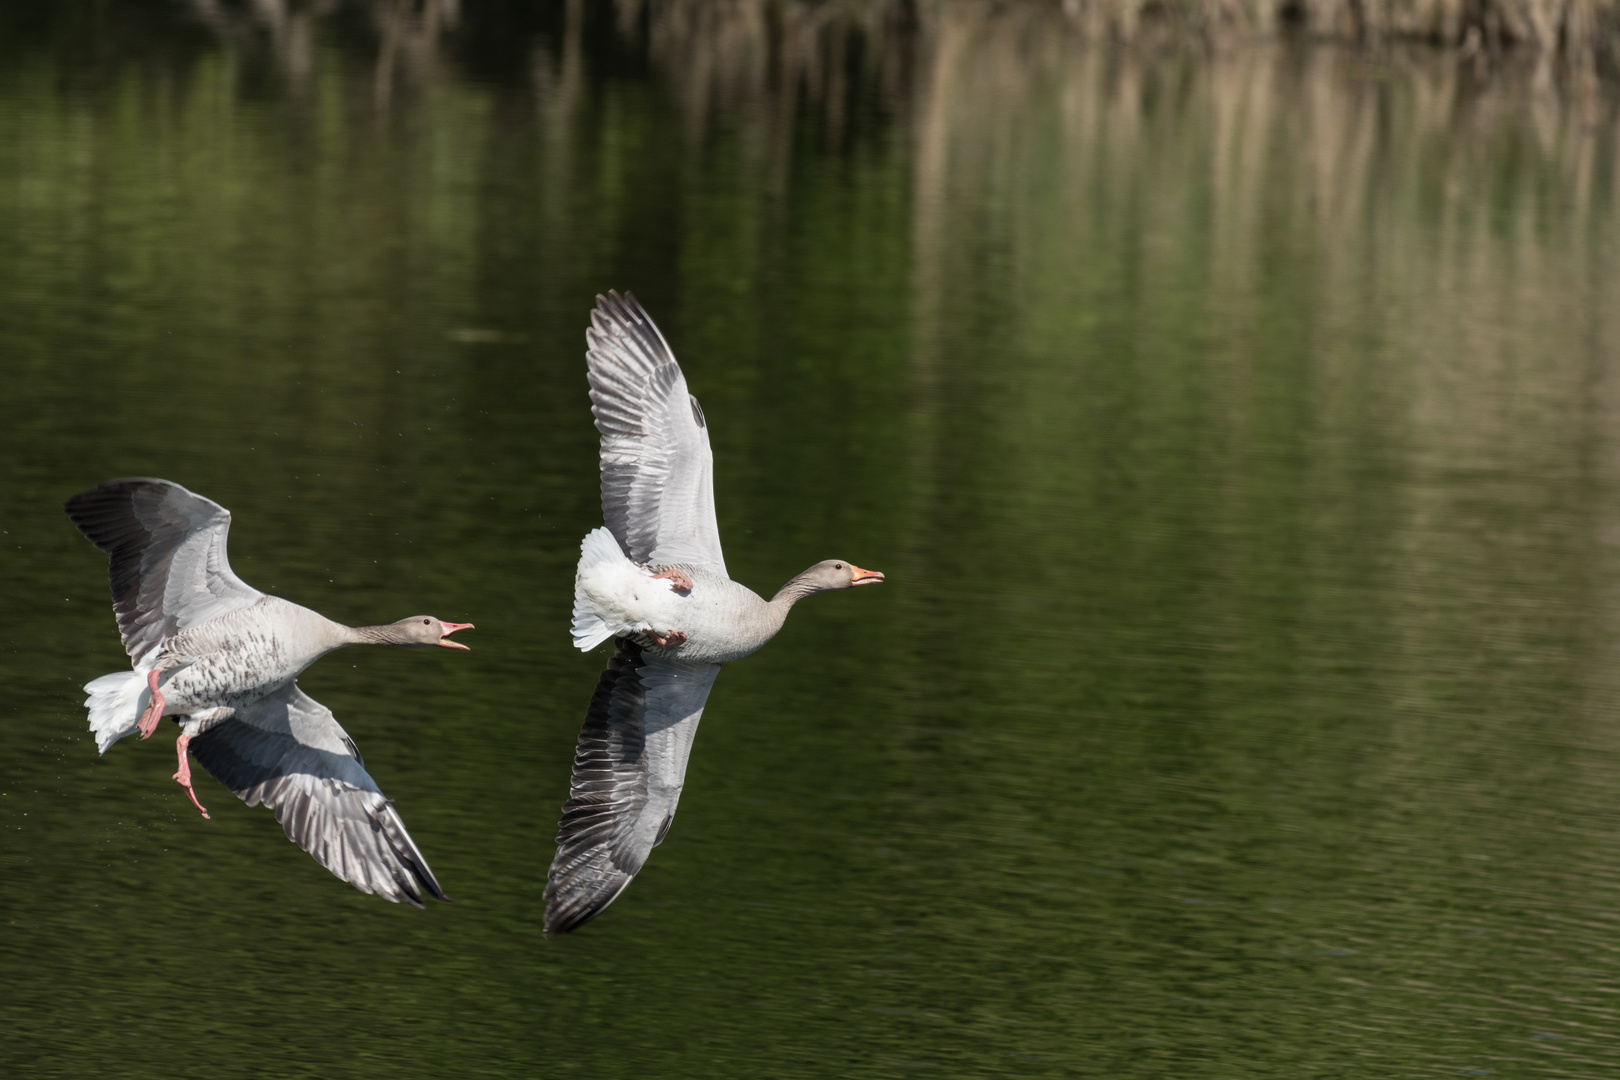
pixel 105 513
pixel 417 865
pixel 118 486
pixel 622 306
pixel 558 921
pixel 565 920
pixel 82 509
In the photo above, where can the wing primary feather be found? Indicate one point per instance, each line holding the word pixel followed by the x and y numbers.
pixel 288 752
pixel 166 549
pixel 607 788
pixel 629 769
pixel 657 469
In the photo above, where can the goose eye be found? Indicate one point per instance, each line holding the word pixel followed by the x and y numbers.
pixel 838 566
pixel 426 621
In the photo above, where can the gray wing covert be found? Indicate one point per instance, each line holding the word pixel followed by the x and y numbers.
pixel 166 557
pixel 657 468
pixel 288 752
pixel 629 768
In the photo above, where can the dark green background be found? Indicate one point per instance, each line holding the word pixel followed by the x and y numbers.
pixel 1237 432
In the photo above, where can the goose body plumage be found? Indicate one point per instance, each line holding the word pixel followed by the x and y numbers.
pixel 723 620
pixel 243 655
pixel 654 580
pixel 223 660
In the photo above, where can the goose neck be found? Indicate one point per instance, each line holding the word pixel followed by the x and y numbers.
pixel 373 635
pixel 796 589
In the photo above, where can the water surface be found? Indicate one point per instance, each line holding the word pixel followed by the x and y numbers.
pixel 1237 433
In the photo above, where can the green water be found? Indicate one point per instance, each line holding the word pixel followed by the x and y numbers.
pixel 1240 435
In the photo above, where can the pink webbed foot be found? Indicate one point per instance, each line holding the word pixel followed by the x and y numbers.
pixel 672 640
pixel 680 581
pixel 154 711
pixel 183 777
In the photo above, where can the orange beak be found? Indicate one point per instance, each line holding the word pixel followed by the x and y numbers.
pixel 865 577
pixel 450 628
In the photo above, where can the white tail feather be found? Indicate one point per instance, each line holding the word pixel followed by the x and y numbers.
pixel 598 548
pixel 116 702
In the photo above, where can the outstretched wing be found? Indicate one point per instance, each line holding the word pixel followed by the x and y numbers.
pixel 657 470
pixel 167 560
pixel 629 767
pixel 288 751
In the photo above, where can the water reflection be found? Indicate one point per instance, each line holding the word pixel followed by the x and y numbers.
pixel 408 34
pixel 1235 429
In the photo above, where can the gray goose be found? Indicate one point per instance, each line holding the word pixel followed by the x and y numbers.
pixel 223 659
pixel 654 579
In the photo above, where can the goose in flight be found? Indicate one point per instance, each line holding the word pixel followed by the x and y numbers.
pixel 654 578
pixel 223 659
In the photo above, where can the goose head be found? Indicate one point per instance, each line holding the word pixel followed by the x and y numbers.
pixel 833 574
pixel 426 630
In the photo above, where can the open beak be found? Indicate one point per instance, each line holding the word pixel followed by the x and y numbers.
pixel 864 577
pixel 450 628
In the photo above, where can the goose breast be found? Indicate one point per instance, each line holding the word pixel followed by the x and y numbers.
pixel 244 655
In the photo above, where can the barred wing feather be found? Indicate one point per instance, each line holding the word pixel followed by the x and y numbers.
pixel 167 562
pixel 657 469
pixel 288 752
pixel 629 768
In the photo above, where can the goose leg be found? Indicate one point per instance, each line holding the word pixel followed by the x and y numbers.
pixel 680 581
pixel 183 777
pixel 154 711
pixel 672 640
